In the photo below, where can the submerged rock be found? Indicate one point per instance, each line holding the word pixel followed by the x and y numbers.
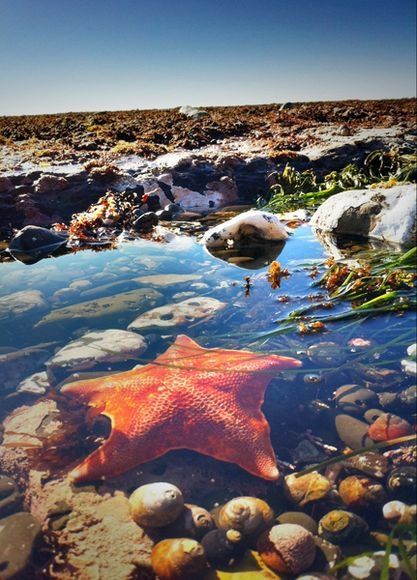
pixel 252 225
pixel 125 303
pixel 383 214
pixel 36 384
pixel 18 534
pixel 95 348
pixel 18 364
pixel 23 303
pixel 177 314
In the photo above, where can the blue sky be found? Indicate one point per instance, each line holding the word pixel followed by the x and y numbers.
pixel 81 55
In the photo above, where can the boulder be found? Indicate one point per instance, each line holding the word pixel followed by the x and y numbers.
pixel 383 214
pixel 252 225
pixel 192 112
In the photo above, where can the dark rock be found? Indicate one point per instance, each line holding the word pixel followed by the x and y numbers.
pixel 153 202
pixel 18 534
pixel 32 243
pixel 10 498
pixel 146 221
pixel 163 214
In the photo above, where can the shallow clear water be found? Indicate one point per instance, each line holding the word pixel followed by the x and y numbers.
pixel 250 316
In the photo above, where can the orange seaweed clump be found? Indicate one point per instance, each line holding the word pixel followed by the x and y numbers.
pixel 276 273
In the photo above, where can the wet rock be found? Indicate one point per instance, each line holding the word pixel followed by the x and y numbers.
pixel 359 491
pixel 18 364
pixel 352 431
pixel 326 354
pixel 36 384
pixel 250 225
pixel 299 518
pixel 384 214
pixel 23 303
pixel 370 463
pixel 50 184
pixel 164 280
pixel 145 221
pixel 354 399
pixel 123 304
pixel 98 348
pixel 32 243
pixel 177 314
pixel 18 534
pixel 10 498
pixel 6 184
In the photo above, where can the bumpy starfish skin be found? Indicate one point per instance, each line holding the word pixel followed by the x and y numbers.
pixel 206 400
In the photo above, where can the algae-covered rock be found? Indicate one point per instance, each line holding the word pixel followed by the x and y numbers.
pixel 125 303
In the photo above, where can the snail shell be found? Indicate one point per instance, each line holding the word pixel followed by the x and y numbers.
pixel 342 527
pixel 193 522
pixel 248 515
pixel 222 548
pixel 156 504
pixel 287 548
pixel 179 559
pixel 359 491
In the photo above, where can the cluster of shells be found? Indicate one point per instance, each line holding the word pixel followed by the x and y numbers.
pixel 193 540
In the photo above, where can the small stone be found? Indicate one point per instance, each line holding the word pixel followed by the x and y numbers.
pixel 10 498
pixel 299 518
pixel 146 221
pixel 307 488
pixel 354 399
pixel 352 432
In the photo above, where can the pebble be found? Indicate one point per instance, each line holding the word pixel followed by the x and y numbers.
pixel 354 399
pixel 352 431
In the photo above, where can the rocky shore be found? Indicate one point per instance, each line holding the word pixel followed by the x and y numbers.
pixel 53 166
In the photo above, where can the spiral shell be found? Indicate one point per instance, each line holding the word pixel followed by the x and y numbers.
pixel 193 522
pixel 248 515
pixel 156 504
pixel 179 559
pixel 287 548
pixel 222 548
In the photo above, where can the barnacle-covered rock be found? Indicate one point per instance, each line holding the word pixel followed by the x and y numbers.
pixel 307 488
pixel 389 426
pixel 193 522
pixel 287 548
pixel 178 559
pixel 359 491
pixel 248 515
pixel 402 482
pixel 223 549
pixel 342 527
pixel 156 504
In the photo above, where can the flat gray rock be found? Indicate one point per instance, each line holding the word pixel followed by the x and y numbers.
pixel 100 347
pixel 18 304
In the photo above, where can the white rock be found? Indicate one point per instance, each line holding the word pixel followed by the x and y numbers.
pixel 412 351
pixel 179 314
pixel 383 214
pixel 36 384
pixel 409 367
pixel 102 346
pixel 22 303
pixel 250 224
pixel 192 112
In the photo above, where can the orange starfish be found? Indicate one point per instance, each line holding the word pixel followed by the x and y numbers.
pixel 206 400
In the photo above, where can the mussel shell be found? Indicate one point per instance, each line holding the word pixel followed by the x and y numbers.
pixel 402 483
pixel 248 515
pixel 342 527
pixel 179 559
